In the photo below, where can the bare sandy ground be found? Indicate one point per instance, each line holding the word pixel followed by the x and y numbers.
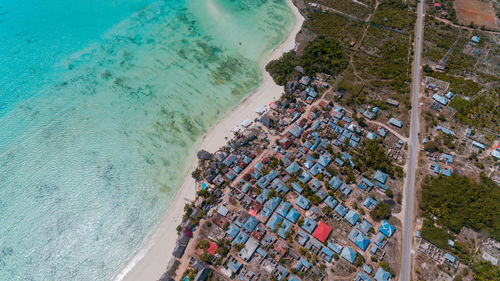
pixel 150 262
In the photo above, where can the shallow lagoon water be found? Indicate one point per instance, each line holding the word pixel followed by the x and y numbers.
pixel 96 132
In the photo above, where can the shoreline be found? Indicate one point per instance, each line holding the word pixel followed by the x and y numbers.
pixel 150 261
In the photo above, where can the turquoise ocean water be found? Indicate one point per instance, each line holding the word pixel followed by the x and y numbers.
pixel 102 103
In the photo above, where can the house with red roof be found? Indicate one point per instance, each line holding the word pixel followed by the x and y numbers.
pixel 322 231
pixel 212 248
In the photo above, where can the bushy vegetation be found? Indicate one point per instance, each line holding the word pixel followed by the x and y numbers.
pixel 372 155
pixel 485 271
pixel 435 235
pixel 347 6
pixel 394 13
pixel 482 112
pixel 381 211
pixel 335 26
pixel 322 55
pixel 459 85
pixel 459 201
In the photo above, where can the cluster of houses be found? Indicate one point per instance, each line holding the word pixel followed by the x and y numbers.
pixel 287 201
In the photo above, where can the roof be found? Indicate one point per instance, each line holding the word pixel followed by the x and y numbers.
pixel 450 258
pixel 273 221
pixel 322 231
pixel 440 99
pixel 349 254
pixel 395 122
pixel 387 229
pixel 212 248
pixel 285 227
pixel 341 210
pixel 283 208
pixel 331 202
pixel 380 176
pixel 302 202
pixel 309 225
pixel 242 237
pixel 351 217
pixel 362 277
pixel 335 182
pixel 233 230
pixel 250 223
pixel 293 168
pixel 382 275
pixel 337 248
pixel 292 215
pixel 221 210
pixel 359 239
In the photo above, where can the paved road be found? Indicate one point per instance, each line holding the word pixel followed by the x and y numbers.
pixel 409 199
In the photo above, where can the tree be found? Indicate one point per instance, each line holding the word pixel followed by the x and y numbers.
pixel 203 244
pixel 389 192
pixel 485 271
pixel 381 211
pixel 323 55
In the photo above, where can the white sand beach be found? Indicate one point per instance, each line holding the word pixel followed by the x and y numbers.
pixel 151 261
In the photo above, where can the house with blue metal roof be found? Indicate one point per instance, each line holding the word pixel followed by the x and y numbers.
pixel 264 215
pixel 349 254
pixel 337 248
pixel 302 237
pixel 272 204
pixel 371 136
pixel 283 208
pixel 324 159
pixel 246 187
pixel 285 227
pixel 364 226
pixel 379 239
pixel 380 176
pixel 435 168
pixel 382 275
pixel 339 162
pixel 296 187
pixel 294 278
pixel 351 217
pixel 263 182
pixel 241 238
pixel 341 210
pixel 293 168
pixel 262 198
pixel 447 158
pixel 259 166
pixel 303 265
pixel 305 177
pixel 396 122
pixel 327 254
pixel 322 194
pixel 273 221
pixel 370 203
pixel 451 259
pixel 221 210
pixel 315 185
pixel 445 130
pixel 279 186
pixel 387 229
pixel 440 99
pixel 309 225
pixel 330 202
pixel 281 272
pixel 359 239
pixel 367 269
pixel 382 132
pixel 296 131
pixel 250 224
pixel 335 182
pixel 232 231
pixel 256 174
pixel 478 145
pixel 302 202
pixel 293 215
pixel 234 265
pixel 446 172
pixel 362 277
pixel 271 175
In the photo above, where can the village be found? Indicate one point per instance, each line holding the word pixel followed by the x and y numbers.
pixel 291 197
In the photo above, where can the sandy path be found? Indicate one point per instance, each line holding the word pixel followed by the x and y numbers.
pixel 150 262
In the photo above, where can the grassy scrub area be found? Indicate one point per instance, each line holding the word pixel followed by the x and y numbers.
pixel 459 201
pixel 395 14
pixel 481 112
pixel 322 55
